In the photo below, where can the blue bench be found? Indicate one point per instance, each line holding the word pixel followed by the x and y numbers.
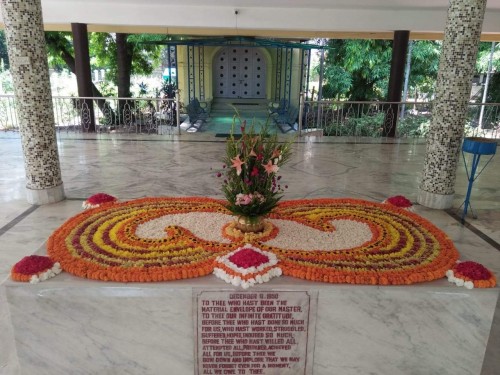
pixel 197 114
pixel 287 120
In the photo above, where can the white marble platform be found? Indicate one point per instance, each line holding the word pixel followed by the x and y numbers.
pixel 69 325
pixel 392 334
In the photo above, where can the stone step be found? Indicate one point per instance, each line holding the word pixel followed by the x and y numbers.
pixel 240 104
pixel 247 114
pixel 248 109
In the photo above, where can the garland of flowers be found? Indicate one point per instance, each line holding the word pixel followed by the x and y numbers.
pixel 342 240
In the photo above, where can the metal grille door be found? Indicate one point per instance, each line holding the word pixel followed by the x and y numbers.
pixel 239 72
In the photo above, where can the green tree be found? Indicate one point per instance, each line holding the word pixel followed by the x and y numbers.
pixel 61 53
pixel 357 69
pixel 483 59
pixel 121 54
pixel 60 50
pixel 4 57
pixel 124 55
pixel 424 67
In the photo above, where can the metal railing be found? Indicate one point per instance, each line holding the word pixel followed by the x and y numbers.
pixel 8 113
pixel 110 114
pixel 332 118
pixel 374 119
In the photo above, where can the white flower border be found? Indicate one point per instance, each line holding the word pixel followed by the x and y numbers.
pixel 458 281
pixel 273 260
pixel 42 276
pixel 258 279
pixel 245 284
pixel 86 205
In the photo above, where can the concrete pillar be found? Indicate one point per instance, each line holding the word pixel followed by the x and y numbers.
pixel 453 87
pixel 395 87
pixel 83 74
pixel 30 74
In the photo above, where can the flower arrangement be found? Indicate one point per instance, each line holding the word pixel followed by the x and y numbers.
pixel 251 184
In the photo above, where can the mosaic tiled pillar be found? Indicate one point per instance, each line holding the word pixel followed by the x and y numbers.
pixel 453 87
pixel 30 73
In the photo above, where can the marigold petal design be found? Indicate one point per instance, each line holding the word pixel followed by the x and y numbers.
pixel 105 244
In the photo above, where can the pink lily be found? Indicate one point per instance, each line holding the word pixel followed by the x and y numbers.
pixel 270 167
pixel 237 163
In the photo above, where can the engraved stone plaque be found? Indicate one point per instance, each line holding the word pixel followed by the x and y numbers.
pixel 266 332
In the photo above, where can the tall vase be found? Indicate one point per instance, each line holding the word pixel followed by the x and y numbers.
pixel 250 224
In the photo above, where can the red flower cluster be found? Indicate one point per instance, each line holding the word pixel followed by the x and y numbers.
pixel 399 201
pixel 246 258
pixel 471 275
pixel 33 264
pixel 101 198
pixel 473 270
pixel 34 268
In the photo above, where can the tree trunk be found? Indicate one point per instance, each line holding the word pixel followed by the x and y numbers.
pixel 124 67
pixel 69 59
pixel 124 64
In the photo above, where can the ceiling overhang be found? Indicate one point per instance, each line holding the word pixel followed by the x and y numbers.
pixel 304 19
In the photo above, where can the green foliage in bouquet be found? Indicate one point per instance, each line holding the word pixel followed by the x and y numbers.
pixel 251 184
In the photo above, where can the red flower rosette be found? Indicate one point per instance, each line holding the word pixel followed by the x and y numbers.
pixel 471 275
pixel 97 200
pixel 247 266
pixel 34 268
pixel 400 201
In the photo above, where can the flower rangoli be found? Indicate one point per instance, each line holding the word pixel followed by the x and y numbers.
pixel 329 240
